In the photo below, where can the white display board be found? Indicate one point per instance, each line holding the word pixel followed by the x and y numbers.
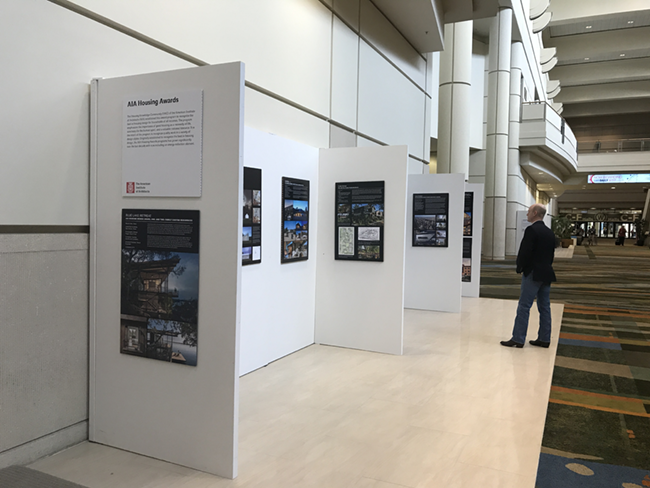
pixel 162 144
pixel 360 304
pixel 178 413
pixel 472 288
pixel 433 274
pixel 278 300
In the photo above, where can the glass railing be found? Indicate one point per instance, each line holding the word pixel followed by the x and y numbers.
pixel 621 145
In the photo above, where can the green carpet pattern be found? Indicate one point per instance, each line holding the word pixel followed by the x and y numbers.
pixel 597 430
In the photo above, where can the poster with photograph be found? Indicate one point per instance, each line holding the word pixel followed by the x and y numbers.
pixel 430 212
pixel 467 260
pixel 251 246
pixel 360 221
pixel 159 300
pixel 469 209
pixel 295 220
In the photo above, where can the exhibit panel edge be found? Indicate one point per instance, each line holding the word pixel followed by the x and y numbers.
pixel 128 402
pixel 473 288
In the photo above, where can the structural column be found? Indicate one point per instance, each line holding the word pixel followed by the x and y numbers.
pixel 454 99
pixel 516 182
pixel 496 167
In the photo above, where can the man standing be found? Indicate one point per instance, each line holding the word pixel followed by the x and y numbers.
pixel 535 260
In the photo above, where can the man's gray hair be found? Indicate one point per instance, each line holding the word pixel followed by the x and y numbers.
pixel 539 209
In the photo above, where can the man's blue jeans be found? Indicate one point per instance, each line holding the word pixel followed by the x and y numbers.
pixel 529 290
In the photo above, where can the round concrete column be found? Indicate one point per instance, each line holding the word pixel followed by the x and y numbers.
pixel 496 157
pixel 454 99
pixel 516 182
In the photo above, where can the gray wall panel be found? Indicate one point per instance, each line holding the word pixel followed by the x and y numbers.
pixel 44 335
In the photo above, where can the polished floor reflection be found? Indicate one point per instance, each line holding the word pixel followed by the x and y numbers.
pixel 456 410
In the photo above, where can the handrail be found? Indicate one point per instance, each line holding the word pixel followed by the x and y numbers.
pixel 614 146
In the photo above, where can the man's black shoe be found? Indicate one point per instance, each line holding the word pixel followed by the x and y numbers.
pixel 540 343
pixel 511 343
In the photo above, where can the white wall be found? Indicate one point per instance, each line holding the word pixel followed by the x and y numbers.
pixel 361 304
pixel 433 275
pixel 182 414
pixel 278 300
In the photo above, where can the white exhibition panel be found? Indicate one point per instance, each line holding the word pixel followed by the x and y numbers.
pixel 181 414
pixel 278 300
pixel 433 273
pixel 473 287
pixel 45 125
pixel 360 305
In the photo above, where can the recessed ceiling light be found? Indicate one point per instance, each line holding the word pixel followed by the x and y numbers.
pixel 612 208
pixel 575 208
pixel 613 188
pixel 592 208
pixel 632 208
pixel 630 22
pixel 586 59
pixel 622 55
pixel 588 27
pixel 540 173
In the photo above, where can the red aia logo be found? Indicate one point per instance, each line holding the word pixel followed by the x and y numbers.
pixel 130 187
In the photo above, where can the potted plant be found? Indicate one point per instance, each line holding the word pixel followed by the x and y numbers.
pixel 562 227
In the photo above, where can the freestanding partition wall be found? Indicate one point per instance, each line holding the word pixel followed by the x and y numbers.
pixel 360 304
pixel 177 135
pixel 433 273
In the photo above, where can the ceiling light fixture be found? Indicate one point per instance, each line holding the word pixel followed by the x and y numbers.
pixel 630 22
pixel 592 208
pixel 588 27
pixel 540 173
pixel 622 55
pixel 613 188
pixel 586 59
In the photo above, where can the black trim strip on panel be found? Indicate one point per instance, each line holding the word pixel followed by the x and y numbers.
pixel 44 229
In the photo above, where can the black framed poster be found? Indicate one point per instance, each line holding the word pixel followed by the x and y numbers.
pixel 251 247
pixel 295 220
pixel 359 221
pixel 467 260
pixel 430 219
pixel 159 299
pixel 469 210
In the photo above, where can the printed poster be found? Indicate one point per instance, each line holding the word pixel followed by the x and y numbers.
pixel 252 217
pixel 430 219
pixel 360 221
pixel 160 285
pixel 295 220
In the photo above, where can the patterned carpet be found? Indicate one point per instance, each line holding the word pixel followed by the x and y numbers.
pixel 597 431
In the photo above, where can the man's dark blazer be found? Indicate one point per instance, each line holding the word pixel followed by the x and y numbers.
pixel 536 253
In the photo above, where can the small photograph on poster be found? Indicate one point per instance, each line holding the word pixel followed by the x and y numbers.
pixel 252 217
pixel 295 239
pixel 467 260
pixel 343 213
pixel 369 233
pixel 160 285
pixel 248 206
pixel 368 253
pixel 367 213
pixel 360 221
pixel 295 220
pixel 430 219
pixel 346 241
pixel 467 219
pixel 246 254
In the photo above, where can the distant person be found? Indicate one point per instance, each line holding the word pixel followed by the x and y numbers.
pixel 591 236
pixel 621 235
pixel 534 260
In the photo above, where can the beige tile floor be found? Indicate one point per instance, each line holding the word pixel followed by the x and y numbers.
pixel 456 410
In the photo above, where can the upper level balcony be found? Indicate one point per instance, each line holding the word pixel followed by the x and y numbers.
pixel 614 155
pixel 549 140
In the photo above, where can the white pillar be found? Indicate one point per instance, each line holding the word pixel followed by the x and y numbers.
pixel 496 170
pixel 516 183
pixel 454 101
